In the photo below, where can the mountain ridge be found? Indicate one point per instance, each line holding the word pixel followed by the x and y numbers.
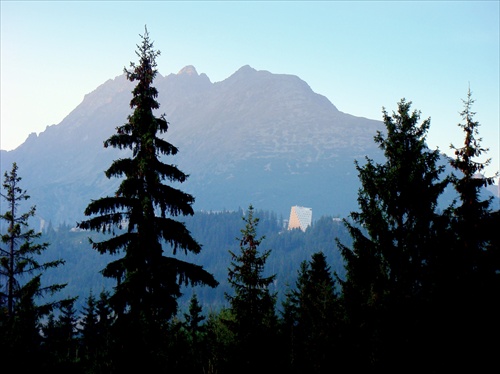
pixel 254 137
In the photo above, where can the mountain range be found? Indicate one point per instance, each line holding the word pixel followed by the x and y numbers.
pixel 254 138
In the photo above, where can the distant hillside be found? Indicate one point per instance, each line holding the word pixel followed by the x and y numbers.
pixel 255 137
pixel 217 233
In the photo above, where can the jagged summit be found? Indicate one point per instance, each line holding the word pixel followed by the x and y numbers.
pixel 188 70
pixel 255 137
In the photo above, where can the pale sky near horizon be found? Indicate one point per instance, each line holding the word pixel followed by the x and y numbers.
pixel 361 55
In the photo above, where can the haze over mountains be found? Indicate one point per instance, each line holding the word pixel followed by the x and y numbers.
pixel 255 137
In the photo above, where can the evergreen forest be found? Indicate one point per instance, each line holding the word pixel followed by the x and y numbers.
pixel 402 285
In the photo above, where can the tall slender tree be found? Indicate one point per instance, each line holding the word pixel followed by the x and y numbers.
pixel 20 274
pixel 253 303
pixel 394 234
pixel 148 283
pixel 471 294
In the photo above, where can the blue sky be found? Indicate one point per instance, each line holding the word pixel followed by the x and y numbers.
pixel 361 55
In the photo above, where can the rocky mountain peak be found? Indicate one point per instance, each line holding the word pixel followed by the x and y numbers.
pixel 254 137
pixel 188 70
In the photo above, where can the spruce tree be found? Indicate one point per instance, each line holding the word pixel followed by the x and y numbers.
pixel 61 340
pixel 470 296
pixel 196 356
pixel 193 320
pixel 219 341
pixel 105 318
pixel 21 288
pixel 252 304
pixel 89 332
pixel 311 319
pixel 95 329
pixel 141 218
pixel 395 233
pixel 69 334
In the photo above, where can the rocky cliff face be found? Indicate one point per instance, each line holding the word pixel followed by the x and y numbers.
pixel 255 137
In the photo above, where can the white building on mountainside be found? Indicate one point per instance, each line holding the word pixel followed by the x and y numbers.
pixel 300 218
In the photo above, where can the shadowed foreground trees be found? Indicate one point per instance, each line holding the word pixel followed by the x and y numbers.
pixel 311 321
pixel 419 280
pixel 21 288
pixel 420 293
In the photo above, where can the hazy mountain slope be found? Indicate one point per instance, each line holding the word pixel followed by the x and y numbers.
pixel 255 137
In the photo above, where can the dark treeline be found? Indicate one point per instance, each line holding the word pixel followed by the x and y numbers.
pixel 399 286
